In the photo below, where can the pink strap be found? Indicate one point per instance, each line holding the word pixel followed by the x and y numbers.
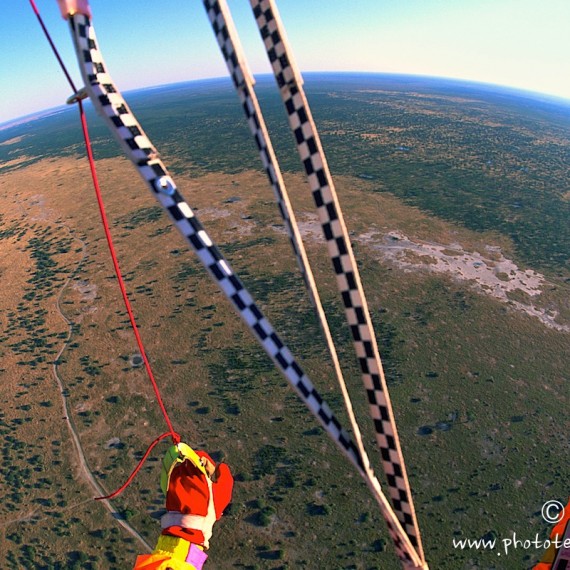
pixel 72 7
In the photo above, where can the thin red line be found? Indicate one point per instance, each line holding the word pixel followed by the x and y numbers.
pixel 120 280
pixel 135 470
pixel 96 186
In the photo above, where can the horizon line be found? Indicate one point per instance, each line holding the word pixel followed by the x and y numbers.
pixel 522 91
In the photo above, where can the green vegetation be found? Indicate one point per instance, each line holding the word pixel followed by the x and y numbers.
pixel 140 217
pixel 490 160
pixel 465 155
pixel 477 387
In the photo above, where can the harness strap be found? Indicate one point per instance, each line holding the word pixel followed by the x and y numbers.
pixel 204 524
pixel 175 518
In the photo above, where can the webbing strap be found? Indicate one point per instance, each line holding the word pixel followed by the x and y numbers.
pixel 349 284
pixel 228 41
pixel 110 104
pixel 175 518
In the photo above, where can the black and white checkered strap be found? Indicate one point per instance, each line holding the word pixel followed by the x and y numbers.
pixel 138 148
pixel 228 40
pixel 348 280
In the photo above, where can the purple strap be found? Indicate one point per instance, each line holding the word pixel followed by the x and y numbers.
pixel 196 557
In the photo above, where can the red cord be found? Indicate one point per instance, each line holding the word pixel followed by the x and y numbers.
pixel 172 433
pixel 136 469
pixel 97 188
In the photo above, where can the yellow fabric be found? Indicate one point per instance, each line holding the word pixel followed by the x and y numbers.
pixel 172 546
pixel 170 552
pixel 174 455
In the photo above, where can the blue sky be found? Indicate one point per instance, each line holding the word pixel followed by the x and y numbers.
pixel 519 43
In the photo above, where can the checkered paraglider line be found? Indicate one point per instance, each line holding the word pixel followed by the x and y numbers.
pixel 243 82
pixel 110 104
pixel 340 252
pixel 220 19
pixel 112 107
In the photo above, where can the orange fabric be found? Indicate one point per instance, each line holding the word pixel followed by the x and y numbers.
pixel 558 530
pixel 188 494
pixel 160 562
pixel 556 533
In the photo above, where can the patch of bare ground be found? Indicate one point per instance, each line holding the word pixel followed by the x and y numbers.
pixel 384 225
pixel 13 140
pixel 489 272
pixel 14 162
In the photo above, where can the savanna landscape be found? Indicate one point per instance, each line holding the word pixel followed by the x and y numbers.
pixel 457 200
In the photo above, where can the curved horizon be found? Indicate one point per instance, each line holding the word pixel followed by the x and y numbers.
pixel 510 43
pixel 540 96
